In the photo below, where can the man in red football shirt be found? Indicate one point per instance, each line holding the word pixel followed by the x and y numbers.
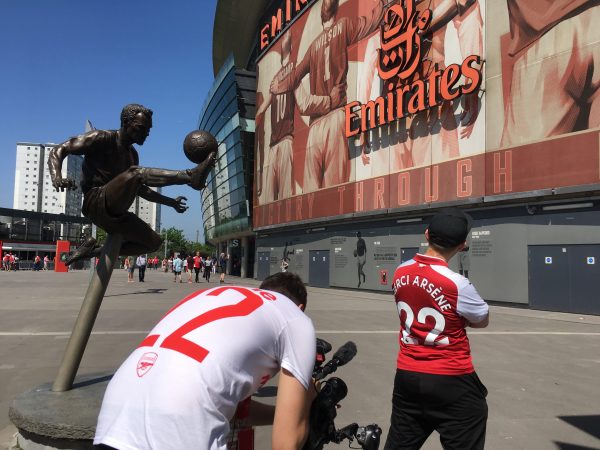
pixel 436 387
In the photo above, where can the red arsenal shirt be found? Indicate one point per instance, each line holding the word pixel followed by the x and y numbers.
pixel 433 303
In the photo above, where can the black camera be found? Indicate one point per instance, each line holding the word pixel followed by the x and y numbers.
pixel 324 408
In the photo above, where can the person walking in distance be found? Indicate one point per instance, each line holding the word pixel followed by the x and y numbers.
pixel 46 261
pixel 436 386
pixel 130 265
pixel 223 266
pixel 177 266
pixel 361 257
pixel 207 268
pixel 190 266
pixel 197 266
pixel 140 262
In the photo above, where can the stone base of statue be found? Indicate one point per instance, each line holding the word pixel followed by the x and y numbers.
pixel 46 419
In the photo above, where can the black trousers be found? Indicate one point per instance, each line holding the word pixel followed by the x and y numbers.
pixel 141 272
pixel 197 270
pixel 453 405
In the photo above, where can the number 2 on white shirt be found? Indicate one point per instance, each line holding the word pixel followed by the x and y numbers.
pixel 176 341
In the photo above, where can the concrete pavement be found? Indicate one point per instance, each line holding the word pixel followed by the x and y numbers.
pixel 541 368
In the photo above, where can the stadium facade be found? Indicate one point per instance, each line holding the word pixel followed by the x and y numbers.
pixel 372 115
pixel 228 114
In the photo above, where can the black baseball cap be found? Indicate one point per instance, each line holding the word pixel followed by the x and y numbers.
pixel 449 228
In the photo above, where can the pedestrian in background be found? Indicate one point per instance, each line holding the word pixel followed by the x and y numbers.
pixel 223 266
pixel 436 387
pixel 46 261
pixel 130 264
pixel 190 266
pixel 197 265
pixel 177 267
pixel 141 264
pixel 207 268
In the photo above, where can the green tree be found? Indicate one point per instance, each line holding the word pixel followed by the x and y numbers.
pixel 174 240
pixel 100 236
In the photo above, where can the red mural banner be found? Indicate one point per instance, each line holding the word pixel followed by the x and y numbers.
pixel 370 107
pixel 532 167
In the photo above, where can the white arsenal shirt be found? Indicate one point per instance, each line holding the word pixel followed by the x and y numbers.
pixel 180 388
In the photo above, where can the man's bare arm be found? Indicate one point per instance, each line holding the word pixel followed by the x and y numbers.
pixel 153 196
pixel 78 145
pixel 290 425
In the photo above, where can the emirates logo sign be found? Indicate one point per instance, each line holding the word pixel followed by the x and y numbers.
pixel 412 82
pixel 400 52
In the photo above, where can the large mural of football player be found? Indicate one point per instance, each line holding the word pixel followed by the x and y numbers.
pixel 433 135
pixel 553 86
pixel 275 164
pixel 327 160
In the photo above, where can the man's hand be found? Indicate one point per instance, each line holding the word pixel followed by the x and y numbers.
pixel 338 96
pixel 179 204
pixel 64 183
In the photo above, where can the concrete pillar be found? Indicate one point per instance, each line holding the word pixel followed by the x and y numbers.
pixel 244 268
pixel 228 252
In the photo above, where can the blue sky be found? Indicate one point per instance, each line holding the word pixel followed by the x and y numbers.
pixel 65 61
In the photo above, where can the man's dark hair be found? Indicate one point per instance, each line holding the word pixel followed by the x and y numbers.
pixel 288 284
pixel 328 9
pixel 130 111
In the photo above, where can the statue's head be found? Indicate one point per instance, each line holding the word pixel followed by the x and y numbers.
pixel 136 122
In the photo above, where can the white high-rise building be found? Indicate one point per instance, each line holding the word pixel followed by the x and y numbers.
pixel 149 212
pixel 33 186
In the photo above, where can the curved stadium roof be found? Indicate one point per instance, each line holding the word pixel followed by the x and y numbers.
pixel 235 30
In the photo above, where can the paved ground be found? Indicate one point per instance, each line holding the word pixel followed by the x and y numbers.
pixel 542 369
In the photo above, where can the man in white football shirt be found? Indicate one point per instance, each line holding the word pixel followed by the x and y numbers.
pixel 180 388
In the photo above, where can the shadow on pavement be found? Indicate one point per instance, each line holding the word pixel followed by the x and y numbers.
pixel 589 424
pixel 147 291
pixel 563 446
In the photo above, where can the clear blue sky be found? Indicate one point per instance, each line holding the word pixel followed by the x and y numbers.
pixel 65 61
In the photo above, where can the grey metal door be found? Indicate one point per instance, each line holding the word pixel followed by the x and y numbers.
pixel 549 277
pixel 408 253
pixel 584 274
pixel 263 268
pixel 318 268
